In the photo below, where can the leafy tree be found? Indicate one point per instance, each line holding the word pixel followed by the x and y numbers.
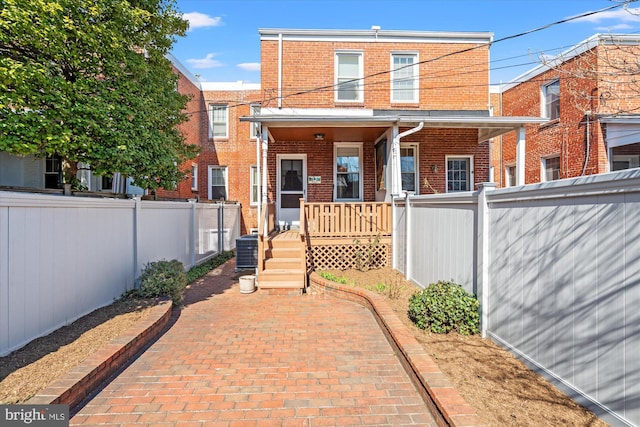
pixel 88 80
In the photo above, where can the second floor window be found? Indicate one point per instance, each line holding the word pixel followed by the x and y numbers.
pixel 349 73
pixel 218 121
pixel 551 100
pixel 404 78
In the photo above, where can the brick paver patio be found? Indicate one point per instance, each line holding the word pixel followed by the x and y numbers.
pixel 232 359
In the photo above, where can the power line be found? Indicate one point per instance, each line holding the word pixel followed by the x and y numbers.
pixel 332 87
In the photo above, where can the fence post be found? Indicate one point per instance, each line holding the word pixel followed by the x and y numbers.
pixel 194 235
pixel 482 248
pixel 408 265
pixel 136 238
pixel 220 227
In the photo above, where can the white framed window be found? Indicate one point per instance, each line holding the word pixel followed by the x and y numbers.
pixel 551 100
pixel 347 172
pixel 53 171
pixel 459 173
pixel 194 177
pixel 255 127
pixel 550 168
pixel 349 72
pixel 255 186
pixel 404 77
pixel 409 167
pixel 624 161
pixel 218 183
pixel 510 176
pixel 218 121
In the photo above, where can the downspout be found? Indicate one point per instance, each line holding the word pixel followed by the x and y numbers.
pixel 396 189
pixel 396 178
pixel 280 70
pixel 259 169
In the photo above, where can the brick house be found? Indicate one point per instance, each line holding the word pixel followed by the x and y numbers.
pixel 350 119
pixel 591 102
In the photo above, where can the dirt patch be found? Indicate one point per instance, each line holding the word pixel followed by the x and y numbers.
pixel 501 389
pixel 32 368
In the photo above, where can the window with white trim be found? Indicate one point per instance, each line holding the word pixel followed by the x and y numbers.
pixel 218 183
pixel 510 176
pixel 348 172
pixel 194 177
pixel 218 121
pixel 404 77
pixel 551 100
pixel 409 167
pixel 459 174
pixel 551 168
pixel 349 72
pixel 255 127
pixel 255 187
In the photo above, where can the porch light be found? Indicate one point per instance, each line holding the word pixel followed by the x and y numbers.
pixel 318 136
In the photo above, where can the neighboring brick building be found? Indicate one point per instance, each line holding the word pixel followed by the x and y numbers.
pixel 336 106
pixel 591 102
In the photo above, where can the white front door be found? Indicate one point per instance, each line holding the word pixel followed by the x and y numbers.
pixel 292 186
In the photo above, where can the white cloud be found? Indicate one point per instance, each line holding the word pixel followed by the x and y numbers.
pixel 249 66
pixel 624 15
pixel 206 62
pixel 201 20
pixel 617 27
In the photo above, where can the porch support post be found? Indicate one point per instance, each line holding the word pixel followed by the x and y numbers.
pixel 482 247
pixel 520 155
pixel 259 175
pixel 265 149
pixel 408 265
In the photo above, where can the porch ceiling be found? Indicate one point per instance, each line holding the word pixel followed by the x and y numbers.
pixel 342 134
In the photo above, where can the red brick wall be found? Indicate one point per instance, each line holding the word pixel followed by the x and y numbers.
pixel 457 82
pixel 195 133
pixel 237 152
pixel 590 83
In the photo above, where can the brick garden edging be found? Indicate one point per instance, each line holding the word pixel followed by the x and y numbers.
pixel 78 383
pixel 443 400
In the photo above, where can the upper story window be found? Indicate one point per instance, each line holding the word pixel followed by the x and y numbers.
pixel 551 168
pixel 404 77
pixel 218 121
pixel 551 100
pixel 349 72
pixel 255 127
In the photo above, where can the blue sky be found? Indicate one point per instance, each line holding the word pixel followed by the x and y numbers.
pixel 223 44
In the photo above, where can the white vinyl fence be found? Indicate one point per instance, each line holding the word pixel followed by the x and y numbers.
pixel 556 267
pixel 63 257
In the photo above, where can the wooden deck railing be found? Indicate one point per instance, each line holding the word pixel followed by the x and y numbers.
pixel 266 225
pixel 345 219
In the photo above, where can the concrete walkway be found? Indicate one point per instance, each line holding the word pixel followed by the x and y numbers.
pixel 232 359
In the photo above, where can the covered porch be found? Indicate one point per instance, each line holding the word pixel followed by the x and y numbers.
pixel 330 177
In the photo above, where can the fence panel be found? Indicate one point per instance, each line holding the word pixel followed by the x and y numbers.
pixel 63 257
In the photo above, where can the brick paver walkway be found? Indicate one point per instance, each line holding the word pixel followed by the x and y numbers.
pixel 262 360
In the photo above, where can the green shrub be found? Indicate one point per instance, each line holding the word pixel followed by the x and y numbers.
pixel 443 307
pixel 163 278
pixel 200 270
pixel 332 277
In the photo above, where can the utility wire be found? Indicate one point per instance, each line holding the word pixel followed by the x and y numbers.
pixel 332 87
